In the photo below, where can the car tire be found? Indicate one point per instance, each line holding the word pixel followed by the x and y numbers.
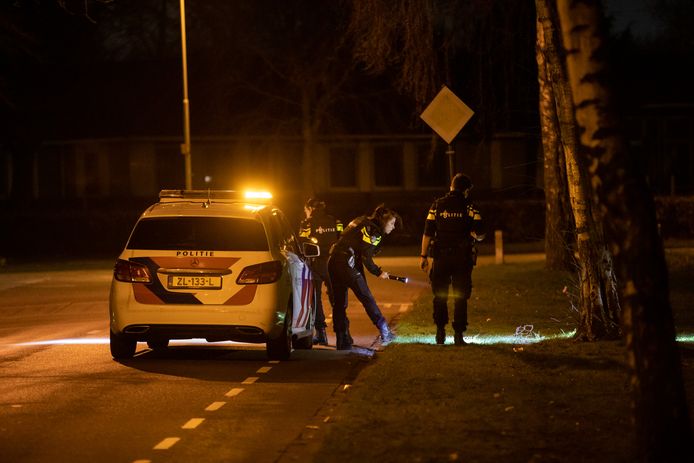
pixel 158 344
pixel 280 348
pixel 122 346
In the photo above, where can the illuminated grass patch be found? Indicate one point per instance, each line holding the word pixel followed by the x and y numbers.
pixel 482 339
pixel 489 339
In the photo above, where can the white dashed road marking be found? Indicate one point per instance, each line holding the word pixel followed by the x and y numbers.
pixel 234 392
pixel 214 406
pixel 167 443
pixel 193 423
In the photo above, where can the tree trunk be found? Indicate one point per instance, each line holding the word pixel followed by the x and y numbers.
pixel 599 302
pixel 558 252
pixel 598 310
pixel 628 214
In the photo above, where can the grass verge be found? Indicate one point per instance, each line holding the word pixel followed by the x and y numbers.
pixel 522 391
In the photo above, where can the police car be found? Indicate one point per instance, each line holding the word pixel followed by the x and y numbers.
pixel 215 265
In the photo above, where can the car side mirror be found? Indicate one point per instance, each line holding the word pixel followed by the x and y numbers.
pixel 310 249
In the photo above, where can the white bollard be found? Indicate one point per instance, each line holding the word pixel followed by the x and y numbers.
pixel 498 246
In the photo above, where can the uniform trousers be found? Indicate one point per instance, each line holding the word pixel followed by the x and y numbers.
pixel 451 268
pixel 319 267
pixel 344 276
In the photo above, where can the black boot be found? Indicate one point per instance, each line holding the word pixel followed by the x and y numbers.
pixel 440 334
pixel 343 341
pixel 321 337
pixel 347 335
pixel 458 339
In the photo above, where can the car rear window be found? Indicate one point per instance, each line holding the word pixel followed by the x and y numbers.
pixel 199 233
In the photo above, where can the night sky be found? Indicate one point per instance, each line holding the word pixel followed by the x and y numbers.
pixel 53 66
pixel 634 15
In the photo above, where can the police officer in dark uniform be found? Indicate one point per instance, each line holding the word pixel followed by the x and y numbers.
pixel 353 251
pixel 452 227
pixel 322 229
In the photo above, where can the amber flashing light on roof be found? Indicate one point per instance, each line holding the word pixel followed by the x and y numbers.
pixel 258 195
pixel 214 195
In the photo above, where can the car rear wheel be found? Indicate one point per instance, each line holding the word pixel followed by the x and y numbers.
pixel 280 348
pixel 158 344
pixel 122 346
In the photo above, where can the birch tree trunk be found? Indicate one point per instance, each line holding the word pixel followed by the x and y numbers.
pixel 599 302
pixel 558 226
pixel 628 215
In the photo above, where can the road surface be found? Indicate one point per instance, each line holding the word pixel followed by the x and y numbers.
pixel 62 397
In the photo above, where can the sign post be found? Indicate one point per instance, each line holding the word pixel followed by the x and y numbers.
pixel 447 115
pixel 185 147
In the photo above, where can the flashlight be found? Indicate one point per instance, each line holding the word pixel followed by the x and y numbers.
pixel 400 279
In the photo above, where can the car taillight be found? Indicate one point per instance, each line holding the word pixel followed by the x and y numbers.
pixel 130 272
pixel 267 272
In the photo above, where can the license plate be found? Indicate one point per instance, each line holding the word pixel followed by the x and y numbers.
pixel 194 282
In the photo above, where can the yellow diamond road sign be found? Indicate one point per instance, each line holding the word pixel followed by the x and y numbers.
pixel 447 114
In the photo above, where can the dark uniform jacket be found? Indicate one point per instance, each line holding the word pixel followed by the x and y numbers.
pixel 450 223
pixel 361 239
pixel 322 229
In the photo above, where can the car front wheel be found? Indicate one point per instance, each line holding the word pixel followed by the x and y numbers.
pixel 122 346
pixel 307 341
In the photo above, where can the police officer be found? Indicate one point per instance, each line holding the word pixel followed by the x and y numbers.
pixel 452 227
pixel 324 230
pixel 348 257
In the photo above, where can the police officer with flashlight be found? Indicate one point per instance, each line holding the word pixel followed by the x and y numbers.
pixel 353 251
pixel 452 226
pixel 322 229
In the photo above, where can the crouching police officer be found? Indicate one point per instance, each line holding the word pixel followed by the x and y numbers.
pixel 324 230
pixel 348 257
pixel 452 227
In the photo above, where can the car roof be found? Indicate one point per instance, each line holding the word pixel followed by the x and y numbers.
pixel 207 203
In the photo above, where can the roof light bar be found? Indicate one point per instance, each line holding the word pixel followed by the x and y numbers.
pixel 212 195
pixel 257 195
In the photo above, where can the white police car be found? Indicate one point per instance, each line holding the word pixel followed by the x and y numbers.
pixel 214 265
